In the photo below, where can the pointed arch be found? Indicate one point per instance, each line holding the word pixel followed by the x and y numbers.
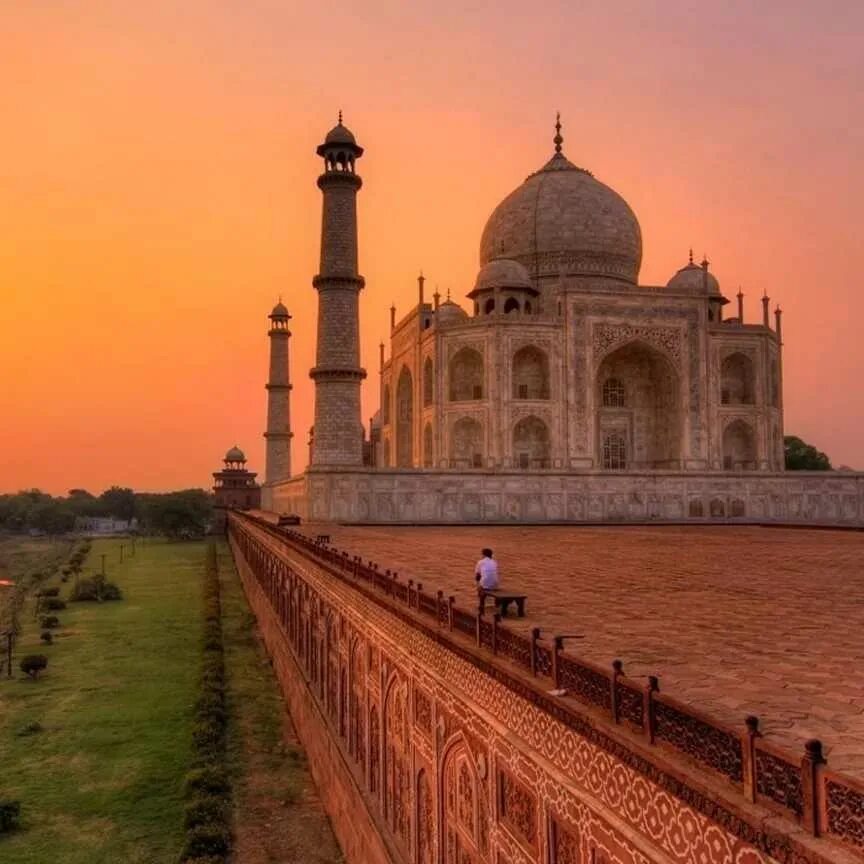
pixel 466 375
pixel 428 382
pixel 530 373
pixel 404 419
pixel 531 447
pixel 464 811
pixel 428 447
pixel 645 412
pixel 737 380
pixel 466 443
pixel 739 447
pixel 397 759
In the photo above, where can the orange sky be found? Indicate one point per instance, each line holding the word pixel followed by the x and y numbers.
pixel 157 194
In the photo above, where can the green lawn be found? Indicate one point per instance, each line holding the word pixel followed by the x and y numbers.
pixel 101 783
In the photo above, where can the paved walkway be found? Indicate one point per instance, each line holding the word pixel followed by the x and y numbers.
pixel 734 620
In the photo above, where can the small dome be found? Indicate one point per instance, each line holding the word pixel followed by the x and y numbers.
pixel 502 273
pixel 340 134
pixel 694 277
pixel 280 310
pixel 451 313
pixel 235 454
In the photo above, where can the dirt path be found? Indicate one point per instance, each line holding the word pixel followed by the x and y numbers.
pixel 278 817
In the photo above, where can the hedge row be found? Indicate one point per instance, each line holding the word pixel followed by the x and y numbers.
pixel 208 789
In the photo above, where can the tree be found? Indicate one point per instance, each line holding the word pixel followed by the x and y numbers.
pixel 801 456
pixel 179 515
pixel 119 502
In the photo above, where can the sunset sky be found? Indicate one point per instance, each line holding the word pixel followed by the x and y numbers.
pixel 157 194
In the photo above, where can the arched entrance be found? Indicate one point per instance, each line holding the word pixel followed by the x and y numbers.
pixel 530 374
pixel 737 380
pixel 637 392
pixel 404 420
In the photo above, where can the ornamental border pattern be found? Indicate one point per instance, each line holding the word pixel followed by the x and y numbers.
pixel 606 770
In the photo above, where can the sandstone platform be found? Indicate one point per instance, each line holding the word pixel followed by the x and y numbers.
pixel 733 620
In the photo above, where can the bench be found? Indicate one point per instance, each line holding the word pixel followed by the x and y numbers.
pixel 288 519
pixel 503 599
pixel 323 540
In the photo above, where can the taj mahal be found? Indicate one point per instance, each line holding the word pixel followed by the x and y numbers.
pixel 570 393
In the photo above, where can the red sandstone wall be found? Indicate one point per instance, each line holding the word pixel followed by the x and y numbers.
pixel 423 755
pixel 360 838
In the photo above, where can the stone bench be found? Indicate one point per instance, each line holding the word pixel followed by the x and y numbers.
pixel 502 600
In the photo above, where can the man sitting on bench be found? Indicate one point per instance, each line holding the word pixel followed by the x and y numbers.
pixel 486 572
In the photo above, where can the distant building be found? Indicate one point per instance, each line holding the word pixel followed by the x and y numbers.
pixel 105 525
pixel 234 487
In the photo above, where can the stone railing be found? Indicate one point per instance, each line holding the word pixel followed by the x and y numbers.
pixel 797 786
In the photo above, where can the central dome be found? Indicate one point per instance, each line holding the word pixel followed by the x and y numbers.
pixel 563 221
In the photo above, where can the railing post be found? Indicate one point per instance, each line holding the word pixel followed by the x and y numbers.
pixel 617 669
pixel 478 629
pixel 557 645
pixel 496 620
pixel 450 601
pixel 810 785
pixel 748 753
pixel 535 635
pixel 410 593
pixel 648 707
pixel 439 600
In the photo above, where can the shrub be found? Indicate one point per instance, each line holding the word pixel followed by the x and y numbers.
pixel 47 637
pixel 208 839
pixel 32 728
pixel 97 589
pixel 48 592
pixel 205 809
pixel 209 780
pixel 10 811
pixel 49 622
pixel 33 664
pixel 53 604
pixel 207 733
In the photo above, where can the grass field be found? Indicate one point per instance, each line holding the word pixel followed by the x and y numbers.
pixel 101 782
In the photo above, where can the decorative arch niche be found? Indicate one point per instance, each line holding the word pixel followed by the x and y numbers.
pixel 404 420
pixel 466 375
pixel 466 443
pixel 428 382
pixel 531 447
pixel 464 812
pixel 397 760
pixel 737 380
pixel 739 447
pixel 530 373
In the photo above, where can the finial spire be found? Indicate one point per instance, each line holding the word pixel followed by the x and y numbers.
pixel 340 116
pixel 558 139
pixel 691 254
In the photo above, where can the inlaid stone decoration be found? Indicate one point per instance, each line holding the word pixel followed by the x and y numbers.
pixel 503 777
pixel 559 361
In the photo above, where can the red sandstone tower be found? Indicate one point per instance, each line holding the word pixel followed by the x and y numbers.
pixel 234 488
pixel 338 439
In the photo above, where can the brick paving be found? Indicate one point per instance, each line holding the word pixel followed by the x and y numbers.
pixel 734 620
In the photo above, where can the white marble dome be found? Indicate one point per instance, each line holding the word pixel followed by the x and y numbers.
pixel 451 313
pixel 502 273
pixel 694 277
pixel 563 220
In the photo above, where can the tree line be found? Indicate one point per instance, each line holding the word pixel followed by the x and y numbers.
pixel 185 513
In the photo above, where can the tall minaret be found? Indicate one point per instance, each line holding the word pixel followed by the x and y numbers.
pixel 337 374
pixel 277 466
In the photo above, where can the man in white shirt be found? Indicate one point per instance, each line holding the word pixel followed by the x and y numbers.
pixel 486 572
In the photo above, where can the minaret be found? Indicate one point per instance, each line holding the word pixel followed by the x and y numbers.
pixel 277 466
pixel 338 436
